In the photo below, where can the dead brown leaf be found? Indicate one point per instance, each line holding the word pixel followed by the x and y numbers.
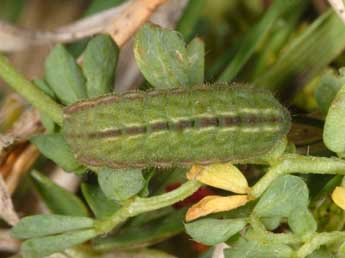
pixel 22 164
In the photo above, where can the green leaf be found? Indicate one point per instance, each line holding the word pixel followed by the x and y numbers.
pixel 43 85
pixel 47 122
pixel 326 91
pixel 54 147
pixel 211 231
pixel 321 253
pixel 40 247
pixel 196 56
pixel 99 63
pixel 302 222
pixel 101 206
pixel 271 223
pixel 282 197
pixel 120 184
pixel 143 235
pixel 64 76
pixel 58 199
pixel 334 133
pixel 250 248
pixel 42 225
pixel 165 61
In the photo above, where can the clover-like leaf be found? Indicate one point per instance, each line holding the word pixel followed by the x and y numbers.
pixel 43 225
pixel 334 133
pixel 99 63
pixel 327 90
pixel 55 147
pixel 282 197
pixel 64 76
pixel 120 184
pixel 271 223
pixel 165 60
pixel 302 222
pixel 101 206
pixel 251 248
pixel 41 247
pixel 211 231
pixel 58 200
pixel 143 235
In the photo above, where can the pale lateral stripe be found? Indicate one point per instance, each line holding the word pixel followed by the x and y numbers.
pixel 256 129
pixel 219 115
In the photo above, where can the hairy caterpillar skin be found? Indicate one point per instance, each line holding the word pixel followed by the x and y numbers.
pixel 202 124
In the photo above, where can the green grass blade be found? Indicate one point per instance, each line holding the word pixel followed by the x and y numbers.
pixel 307 55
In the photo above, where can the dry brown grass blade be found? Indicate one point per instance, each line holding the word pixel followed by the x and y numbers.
pixel 22 164
pixel 120 22
pixel 16 156
pixel 7 211
pixel 132 18
pixel 27 125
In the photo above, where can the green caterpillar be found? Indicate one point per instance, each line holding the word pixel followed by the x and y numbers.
pixel 202 124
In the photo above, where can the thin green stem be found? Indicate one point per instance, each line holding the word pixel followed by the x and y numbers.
pixel 295 163
pixel 318 240
pixel 140 205
pixel 29 91
pixel 262 234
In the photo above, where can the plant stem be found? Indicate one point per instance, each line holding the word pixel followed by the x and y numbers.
pixel 295 163
pixel 29 91
pixel 140 205
pixel 262 234
pixel 318 240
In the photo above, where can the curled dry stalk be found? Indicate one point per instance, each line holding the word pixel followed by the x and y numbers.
pixel 120 22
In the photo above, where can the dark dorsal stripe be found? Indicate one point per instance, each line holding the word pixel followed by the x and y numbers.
pixel 196 123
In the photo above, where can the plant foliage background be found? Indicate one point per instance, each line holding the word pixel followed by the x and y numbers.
pixel 287 203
